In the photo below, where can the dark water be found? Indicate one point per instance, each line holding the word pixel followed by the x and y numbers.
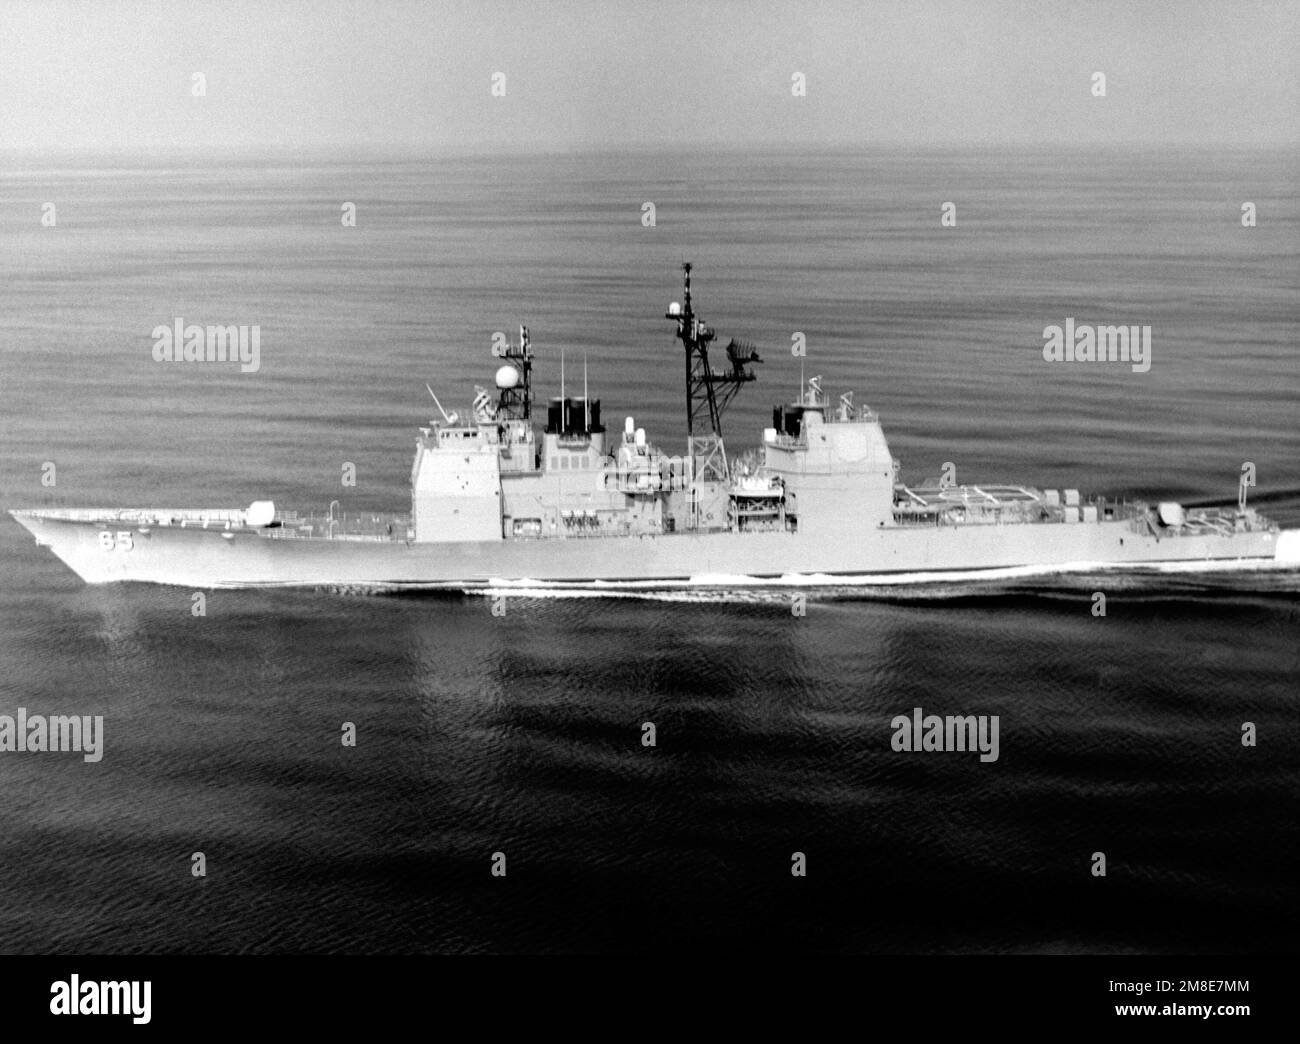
pixel 521 734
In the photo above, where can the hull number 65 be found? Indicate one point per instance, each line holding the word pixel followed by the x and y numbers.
pixel 120 540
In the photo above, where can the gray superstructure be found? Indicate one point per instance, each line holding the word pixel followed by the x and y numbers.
pixel 820 502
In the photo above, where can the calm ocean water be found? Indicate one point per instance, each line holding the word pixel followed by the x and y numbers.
pixel 521 734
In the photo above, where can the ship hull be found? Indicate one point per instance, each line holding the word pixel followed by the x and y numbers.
pixel 217 557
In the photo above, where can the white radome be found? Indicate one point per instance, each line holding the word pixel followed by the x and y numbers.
pixel 507 377
pixel 260 513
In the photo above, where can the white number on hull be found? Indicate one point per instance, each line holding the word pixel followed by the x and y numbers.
pixel 120 541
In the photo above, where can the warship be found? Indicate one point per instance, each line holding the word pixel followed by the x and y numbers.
pixel 496 504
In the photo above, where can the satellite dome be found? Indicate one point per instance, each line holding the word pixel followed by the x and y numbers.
pixel 507 377
pixel 260 513
pixel 1171 514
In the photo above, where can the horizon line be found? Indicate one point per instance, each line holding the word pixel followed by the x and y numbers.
pixel 386 150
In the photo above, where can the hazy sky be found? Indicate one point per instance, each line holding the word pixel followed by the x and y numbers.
pixel 329 73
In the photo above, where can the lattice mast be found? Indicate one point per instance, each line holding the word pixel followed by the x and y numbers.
pixel 515 401
pixel 708 393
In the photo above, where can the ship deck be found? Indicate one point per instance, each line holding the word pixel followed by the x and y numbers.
pixel 933 505
pixel 922 506
pixel 356 525
pixel 992 496
pixel 287 525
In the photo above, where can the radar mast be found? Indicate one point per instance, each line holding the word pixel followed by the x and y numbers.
pixel 516 391
pixel 708 393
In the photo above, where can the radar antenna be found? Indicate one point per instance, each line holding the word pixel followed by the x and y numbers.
pixel 708 393
pixel 515 401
